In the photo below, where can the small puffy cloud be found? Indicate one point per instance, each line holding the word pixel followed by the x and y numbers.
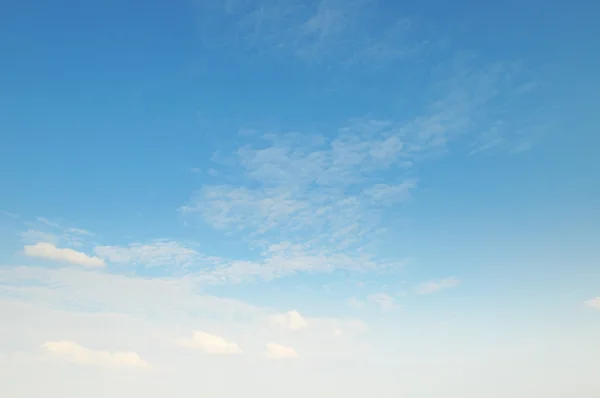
pixel 383 300
pixel 593 303
pixel 436 286
pixel 291 320
pixel 51 252
pixel 210 344
pixel 76 353
pixel 278 351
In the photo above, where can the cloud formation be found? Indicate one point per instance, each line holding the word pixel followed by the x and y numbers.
pixel 78 354
pixel 329 33
pixel 278 351
pixel 210 344
pixel 50 252
pixel 291 320
pixel 155 254
pixel 437 285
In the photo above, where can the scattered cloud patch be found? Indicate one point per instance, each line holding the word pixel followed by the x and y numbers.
pixel 75 353
pixel 48 251
pixel 45 230
pixel 155 254
pixel 291 320
pixel 325 33
pixel 325 196
pixel 210 344
pixel 437 285
pixel 389 194
pixel 278 351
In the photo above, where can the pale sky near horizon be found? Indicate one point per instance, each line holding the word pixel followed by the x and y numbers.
pixel 334 198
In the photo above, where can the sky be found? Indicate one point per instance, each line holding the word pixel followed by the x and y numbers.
pixel 340 198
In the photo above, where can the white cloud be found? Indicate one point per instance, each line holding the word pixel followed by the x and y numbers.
pixel 76 353
pixel 437 285
pixel 278 351
pixel 49 251
pixel 210 344
pixel 383 300
pixel 155 254
pixel 593 303
pixel 291 320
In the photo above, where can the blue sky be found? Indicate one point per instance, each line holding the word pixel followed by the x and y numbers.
pixel 327 197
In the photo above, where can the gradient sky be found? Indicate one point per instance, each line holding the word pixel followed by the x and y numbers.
pixel 290 198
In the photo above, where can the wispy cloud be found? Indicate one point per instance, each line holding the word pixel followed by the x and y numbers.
pixel 78 354
pixel 50 252
pixel 437 285
pixel 332 33
pixel 155 254
pixel 381 300
pixel 503 137
pixel 46 230
pixel 388 194
pixel 32 236
pixel 10 214
pixel 324 197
